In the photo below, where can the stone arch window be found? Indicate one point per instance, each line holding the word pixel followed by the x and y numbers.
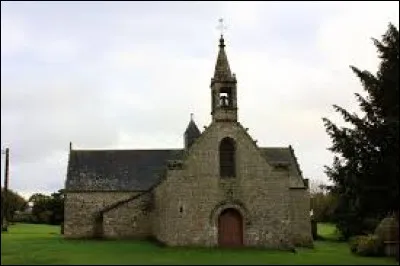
pixel 227 158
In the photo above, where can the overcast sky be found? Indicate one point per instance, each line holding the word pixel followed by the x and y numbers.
pixel 127 75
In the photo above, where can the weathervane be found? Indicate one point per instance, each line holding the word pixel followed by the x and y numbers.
pixel 221 27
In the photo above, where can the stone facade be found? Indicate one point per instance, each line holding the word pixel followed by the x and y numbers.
pixel 183 204
pixel 259 192
pixel 82 210
pixel 132 219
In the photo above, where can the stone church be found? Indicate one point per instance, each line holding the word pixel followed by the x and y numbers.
pixel 221 189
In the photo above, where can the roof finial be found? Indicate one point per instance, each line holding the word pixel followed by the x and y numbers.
pixel 221 27
pixel 191 116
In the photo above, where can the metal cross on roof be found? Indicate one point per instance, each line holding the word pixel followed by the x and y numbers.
pixel 221 27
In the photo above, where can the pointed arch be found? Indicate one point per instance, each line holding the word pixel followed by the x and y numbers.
pixel 227 157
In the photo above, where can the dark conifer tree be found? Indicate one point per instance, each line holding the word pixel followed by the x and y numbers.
pixel 365 169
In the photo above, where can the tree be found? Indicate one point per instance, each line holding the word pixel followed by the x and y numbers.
pixel 57 206
pixel 38 197
pixel 323 201
pixel 323 206
pixel 317 186
pixel 365 169
pixel 41 209
pixel 15 203
pixel 48 209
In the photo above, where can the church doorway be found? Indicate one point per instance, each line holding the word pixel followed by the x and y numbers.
pixel 230 228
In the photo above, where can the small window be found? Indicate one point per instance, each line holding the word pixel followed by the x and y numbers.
pixel 181 209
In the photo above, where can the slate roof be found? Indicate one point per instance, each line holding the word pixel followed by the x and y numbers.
pixel 281 155
pixel 117 170
pixel 277 154
pixel 136 170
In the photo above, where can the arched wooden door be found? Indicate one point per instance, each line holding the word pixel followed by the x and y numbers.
pixel 230 228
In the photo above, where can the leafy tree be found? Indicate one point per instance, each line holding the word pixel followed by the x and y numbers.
pixel 57 206
pixel 48 209
pixel 365 169
pixel 15 203
pixel 38 197
pixel 323 206
pixel 41 208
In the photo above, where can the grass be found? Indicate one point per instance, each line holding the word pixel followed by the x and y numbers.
pixel 328 231
pixel 42 244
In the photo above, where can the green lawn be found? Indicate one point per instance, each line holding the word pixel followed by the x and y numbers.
pixel 42 244
pixel 328 232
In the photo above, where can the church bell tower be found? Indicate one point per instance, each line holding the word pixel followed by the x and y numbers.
pixel 223 89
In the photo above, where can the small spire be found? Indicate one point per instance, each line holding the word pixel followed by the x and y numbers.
pixel 222 68
pixel 192 132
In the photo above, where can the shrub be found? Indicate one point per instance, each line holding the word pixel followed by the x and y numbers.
pixel 369 245
pixel 22 217
pixel 45 216
pixel 353 242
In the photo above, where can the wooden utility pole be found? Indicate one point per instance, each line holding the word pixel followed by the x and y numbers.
pixel 4 223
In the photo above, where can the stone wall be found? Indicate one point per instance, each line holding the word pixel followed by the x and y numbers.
pixel 82 208
pixel 300 217
pixel 192 198
pixel 130 220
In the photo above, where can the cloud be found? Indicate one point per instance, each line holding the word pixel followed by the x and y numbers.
pixel 128 74
pixel 13 35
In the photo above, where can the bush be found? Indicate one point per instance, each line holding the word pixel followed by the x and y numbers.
pixel 22 217
pixel 45 216
pixel 369 245
pixel 353 242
